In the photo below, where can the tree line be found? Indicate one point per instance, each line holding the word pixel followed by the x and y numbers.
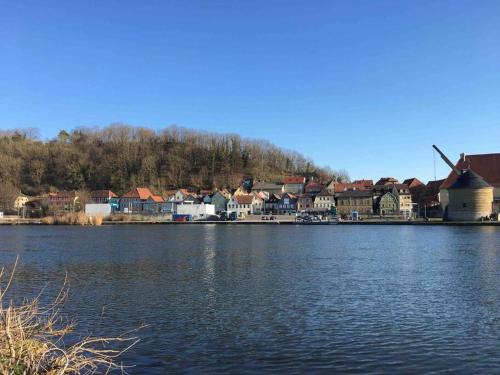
pixel 120 157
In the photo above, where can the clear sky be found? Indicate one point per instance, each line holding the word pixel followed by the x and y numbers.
pixel 367 86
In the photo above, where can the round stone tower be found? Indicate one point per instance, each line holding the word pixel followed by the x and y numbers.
pixel 470 198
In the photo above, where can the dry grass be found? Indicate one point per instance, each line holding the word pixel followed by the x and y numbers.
pixel 32 340
pixel 74 218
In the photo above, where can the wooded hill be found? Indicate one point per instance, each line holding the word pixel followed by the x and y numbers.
pixel 120 157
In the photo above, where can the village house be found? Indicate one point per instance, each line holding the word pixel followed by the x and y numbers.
pixel 485 165
pixel 305 202
pixel 313 188
pixel 183 195
pixel 134 200
pixel 154 205
pixel 384 195
pixel 245 205
pixel 324 201
pixel 432 199
pixel 268 187
pixel 64 201
pixel 271 204
pixel 294 184
pixel 351 201
pixel 20 201
pixel 417 191
pixel 387 204
pixel 405 203
pixel 219 200
pixel 287 204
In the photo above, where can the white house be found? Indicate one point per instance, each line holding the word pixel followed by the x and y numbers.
pixel 197 211
pixel 324 201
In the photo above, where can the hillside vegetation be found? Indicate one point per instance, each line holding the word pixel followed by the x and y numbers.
pixel 120 157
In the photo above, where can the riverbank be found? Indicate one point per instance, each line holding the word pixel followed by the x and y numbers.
pixel 264 222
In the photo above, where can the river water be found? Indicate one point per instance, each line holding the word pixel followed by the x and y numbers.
pixel 271 298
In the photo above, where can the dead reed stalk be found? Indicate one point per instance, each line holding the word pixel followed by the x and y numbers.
pixel 32 339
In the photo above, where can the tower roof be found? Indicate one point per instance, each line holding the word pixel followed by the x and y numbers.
pixel 469 180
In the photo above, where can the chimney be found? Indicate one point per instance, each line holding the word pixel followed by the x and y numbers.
pixel 462 157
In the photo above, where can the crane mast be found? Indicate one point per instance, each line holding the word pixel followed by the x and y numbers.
pixel 447 161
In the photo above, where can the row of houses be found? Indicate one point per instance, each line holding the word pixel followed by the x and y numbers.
pixel 385 197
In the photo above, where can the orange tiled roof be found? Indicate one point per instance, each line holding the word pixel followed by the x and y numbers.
pixel 142 193
pixel 157 199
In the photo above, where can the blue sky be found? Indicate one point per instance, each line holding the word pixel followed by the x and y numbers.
pixel 367 86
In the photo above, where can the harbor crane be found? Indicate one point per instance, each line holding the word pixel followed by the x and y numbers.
pixel 447 161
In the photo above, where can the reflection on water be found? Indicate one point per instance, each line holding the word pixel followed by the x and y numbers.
pixel 277 298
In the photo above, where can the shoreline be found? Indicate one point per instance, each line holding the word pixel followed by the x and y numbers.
pixel 260 222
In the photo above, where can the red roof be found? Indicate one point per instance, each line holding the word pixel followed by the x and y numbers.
pixel 340 187
pixel 141 193
pixel 294 180
pixel 244 199
pixel 313 186
pixel 412 182
pixel 363 182
pixel 485 165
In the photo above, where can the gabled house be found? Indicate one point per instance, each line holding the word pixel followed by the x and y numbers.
pixel 387 204
pixel 432 199
pixel 154 205
pixel 64 201
pixel 305 202
pixel 287 204
pixel 405 202
pixel 245 205
pixel 294 184
pixel 181 195
pixel 360 201
pixel 20 201
pixel 324 201
pixel 271 204
pixel 133 201
pixel 313 188
pixel 219 200
pixel 383 202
